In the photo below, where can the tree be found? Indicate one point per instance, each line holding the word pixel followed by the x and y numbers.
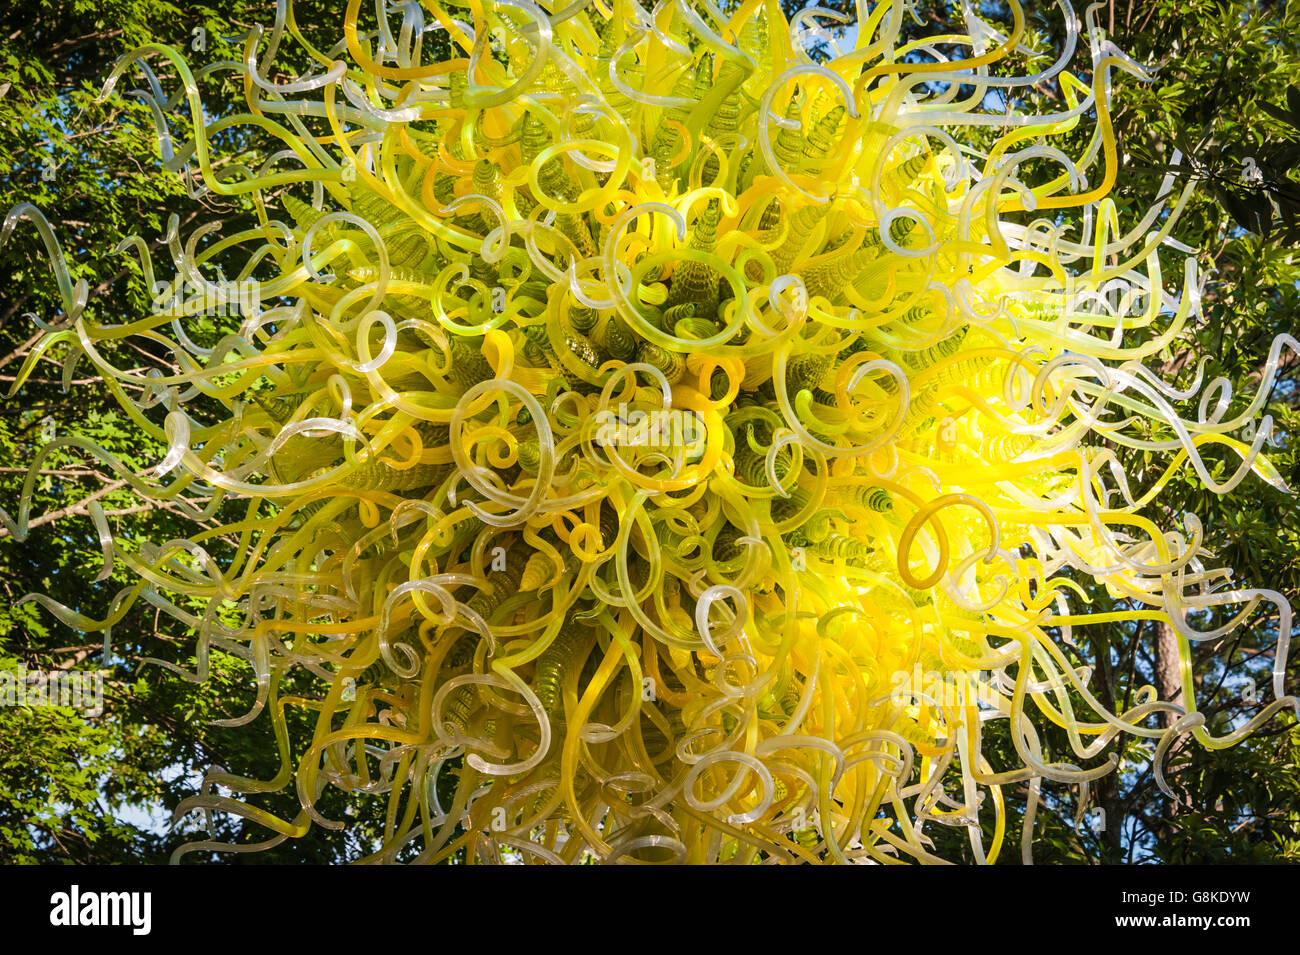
pixel 71 788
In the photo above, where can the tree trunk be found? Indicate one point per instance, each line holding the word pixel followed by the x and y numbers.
pixel 1169 684
pixel 1169 679
pixel 1106 790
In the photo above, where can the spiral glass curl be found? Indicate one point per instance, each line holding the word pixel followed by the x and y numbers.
pixel 630 409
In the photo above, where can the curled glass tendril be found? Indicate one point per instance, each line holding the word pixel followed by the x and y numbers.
pixel 624 398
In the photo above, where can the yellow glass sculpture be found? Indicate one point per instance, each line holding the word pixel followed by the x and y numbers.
pixel 629 409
